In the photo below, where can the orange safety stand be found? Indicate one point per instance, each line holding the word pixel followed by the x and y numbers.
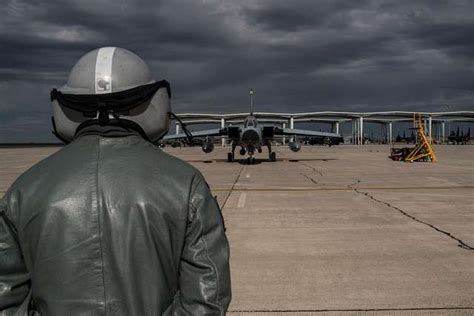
pixel 423 151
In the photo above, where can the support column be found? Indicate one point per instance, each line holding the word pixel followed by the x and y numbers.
pixel 430 127
pixel 390 132
pixel 438 133
pixel 352 132
pixel 355 134
pixel 337 127
pixel 356 131
pixel 177 128
pixel 443 139
pixel 292 125
pixel 284 137
pixel 361 130
pixel 222 126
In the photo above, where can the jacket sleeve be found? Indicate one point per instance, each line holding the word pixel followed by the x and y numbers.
pixel 204 282
pixel 14 278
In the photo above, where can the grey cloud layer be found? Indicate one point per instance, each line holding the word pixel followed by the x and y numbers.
pixel 297 55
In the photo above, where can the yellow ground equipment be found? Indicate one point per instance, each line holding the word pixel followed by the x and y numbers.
pixel 423 150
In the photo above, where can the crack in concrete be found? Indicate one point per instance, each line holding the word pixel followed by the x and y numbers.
pixel 232 188
pixel 461 243
pixel 312 168
pixel 350 186
pixel 309 178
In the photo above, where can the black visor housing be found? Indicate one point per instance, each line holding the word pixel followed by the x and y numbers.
pixel 117 102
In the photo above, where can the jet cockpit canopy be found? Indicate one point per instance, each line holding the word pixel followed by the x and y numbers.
pixel 250 121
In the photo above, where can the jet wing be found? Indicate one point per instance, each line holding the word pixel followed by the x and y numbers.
pixel 205 133
pixel 305 132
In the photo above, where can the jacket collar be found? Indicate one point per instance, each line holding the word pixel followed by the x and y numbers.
pixel 112 130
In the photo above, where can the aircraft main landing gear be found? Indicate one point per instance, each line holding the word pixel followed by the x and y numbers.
pixel 272 156
pixel 230 156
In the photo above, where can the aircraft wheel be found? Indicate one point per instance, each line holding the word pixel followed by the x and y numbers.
pixel 252 160
pixel 230 157
pixel 272 156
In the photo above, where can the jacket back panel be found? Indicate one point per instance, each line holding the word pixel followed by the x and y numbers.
pixel 102 223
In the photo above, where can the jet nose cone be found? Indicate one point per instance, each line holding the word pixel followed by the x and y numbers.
pixel 250 137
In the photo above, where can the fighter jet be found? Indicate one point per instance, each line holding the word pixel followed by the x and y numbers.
pixel 251 137
pixel 459 137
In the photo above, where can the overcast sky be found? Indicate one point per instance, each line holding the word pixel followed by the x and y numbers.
pixel 297 55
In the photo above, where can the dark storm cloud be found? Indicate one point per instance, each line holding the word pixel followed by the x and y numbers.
pixel 293 16
pixel 297 55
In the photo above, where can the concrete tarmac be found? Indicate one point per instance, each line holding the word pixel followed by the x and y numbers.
pixel 337 231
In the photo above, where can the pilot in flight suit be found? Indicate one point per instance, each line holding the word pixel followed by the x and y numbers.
pixel 110 224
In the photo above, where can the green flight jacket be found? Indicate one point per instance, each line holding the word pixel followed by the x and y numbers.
pixel 112 225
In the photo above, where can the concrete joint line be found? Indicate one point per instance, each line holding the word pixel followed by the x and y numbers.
pixel 351 310
pixel 347 188
pixel 461 243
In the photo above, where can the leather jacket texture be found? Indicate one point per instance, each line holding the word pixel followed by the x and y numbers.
pixel 112 225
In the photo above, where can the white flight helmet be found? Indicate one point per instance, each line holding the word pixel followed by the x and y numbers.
pixel 111 86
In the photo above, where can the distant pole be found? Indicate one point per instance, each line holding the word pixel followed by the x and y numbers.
pixel 251 101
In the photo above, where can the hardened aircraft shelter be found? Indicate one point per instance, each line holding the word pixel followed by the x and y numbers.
pixel 356 119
